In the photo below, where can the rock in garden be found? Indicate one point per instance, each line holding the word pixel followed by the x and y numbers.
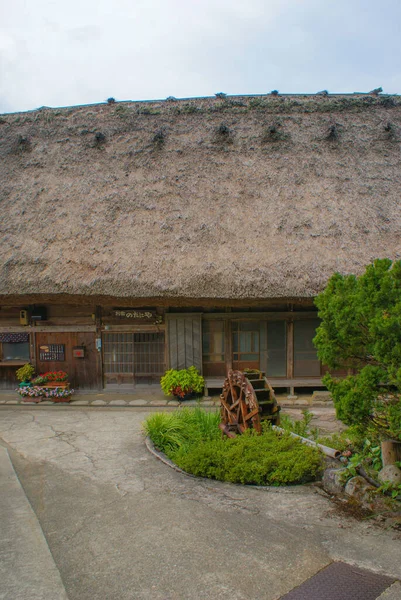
pixel 390 473
pixel 333 480
pixel 360 489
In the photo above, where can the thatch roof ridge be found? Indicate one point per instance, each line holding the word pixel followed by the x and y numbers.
pixel 369 97
pixel 258 197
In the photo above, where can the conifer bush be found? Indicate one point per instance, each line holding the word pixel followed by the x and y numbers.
pixel 361 332
pixel 268 459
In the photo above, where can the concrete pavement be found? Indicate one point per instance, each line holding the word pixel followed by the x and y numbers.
pixel 27 568
pixel 121 525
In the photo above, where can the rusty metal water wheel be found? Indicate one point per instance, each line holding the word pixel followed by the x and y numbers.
pixel 239 405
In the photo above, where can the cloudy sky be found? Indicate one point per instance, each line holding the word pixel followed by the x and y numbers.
pixel 60 53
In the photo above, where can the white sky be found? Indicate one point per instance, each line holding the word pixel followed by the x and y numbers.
pixel 55 53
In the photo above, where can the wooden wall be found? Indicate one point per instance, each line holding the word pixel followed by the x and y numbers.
pixel 70 325
pixel 184 339
pixel 8 381
pixel 84 373
pixel 57 315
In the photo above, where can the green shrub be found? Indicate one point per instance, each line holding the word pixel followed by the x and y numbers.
pixel 25 373
pixel 267 459
pixel 180 383
pixel 300 427
pixel 200 424
pixel 183 428
pixel 192 439
pixel 166 431
pixel 360 331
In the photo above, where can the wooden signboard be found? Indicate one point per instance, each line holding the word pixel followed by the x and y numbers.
pixel 135 315
pixel 52 352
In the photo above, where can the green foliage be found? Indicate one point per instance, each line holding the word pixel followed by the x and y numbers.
pixel 267 459
pixel 183 428
pixel 361 331
pixel 387 417
pixel 300 427
pixel 180 383
pixel 192 439
pixel 25 373
pixel 369 458
pixel 354 396
pixel 166 431
pixel 352 440
pixel 391 489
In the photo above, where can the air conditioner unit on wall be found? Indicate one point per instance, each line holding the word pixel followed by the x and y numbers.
pixel 39 313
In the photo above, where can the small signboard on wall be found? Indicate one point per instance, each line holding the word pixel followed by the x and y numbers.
pixel 52 352
pixel 135 315
pixel 78 352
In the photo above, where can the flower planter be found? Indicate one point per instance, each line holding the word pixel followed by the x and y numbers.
pixel 55 384
pixel 61 400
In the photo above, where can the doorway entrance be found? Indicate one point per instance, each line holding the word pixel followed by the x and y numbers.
pixel 133 358
pixel 245 345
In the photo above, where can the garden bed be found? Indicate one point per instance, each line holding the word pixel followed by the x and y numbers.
pixel 191 440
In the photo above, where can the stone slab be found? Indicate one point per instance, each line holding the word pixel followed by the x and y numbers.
pixel 190 403
pixel 117 403
pixel 301 402
pixel 137 403
pixel 27 568
pixel 157 403
pixel 391 593
pixel 98 403
pixel 322 395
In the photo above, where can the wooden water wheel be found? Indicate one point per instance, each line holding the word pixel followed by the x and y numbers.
pixel 244 404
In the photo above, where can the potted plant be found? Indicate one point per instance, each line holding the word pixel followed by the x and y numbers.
pixel 57 394
pixel 31 393
pixel 183 383
pixel 37 393
pixel 52 379
pixel 24 375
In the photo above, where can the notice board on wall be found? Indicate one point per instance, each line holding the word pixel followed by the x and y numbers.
pixel 52 352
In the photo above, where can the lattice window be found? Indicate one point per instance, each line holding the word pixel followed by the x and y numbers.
pixel 148 354
pixel 118 352
pixel 138 354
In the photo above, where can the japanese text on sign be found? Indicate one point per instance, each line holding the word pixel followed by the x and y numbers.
pixel 133 314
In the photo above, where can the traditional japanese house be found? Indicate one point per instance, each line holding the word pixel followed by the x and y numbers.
pixel 138 236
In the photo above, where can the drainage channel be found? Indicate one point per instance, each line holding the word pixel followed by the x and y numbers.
pixel 340 581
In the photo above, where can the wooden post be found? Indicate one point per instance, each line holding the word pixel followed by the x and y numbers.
pixel 99 357
pixel 228 345
pixel 32 339
pixel 290 354
pixel 391 452
pixel 290 349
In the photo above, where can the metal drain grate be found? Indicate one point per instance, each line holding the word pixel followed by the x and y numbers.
pixel 340 581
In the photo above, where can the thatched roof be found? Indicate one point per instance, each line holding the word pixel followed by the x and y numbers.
pixel 250 197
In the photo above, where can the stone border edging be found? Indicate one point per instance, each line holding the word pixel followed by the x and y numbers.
pixel 165 460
